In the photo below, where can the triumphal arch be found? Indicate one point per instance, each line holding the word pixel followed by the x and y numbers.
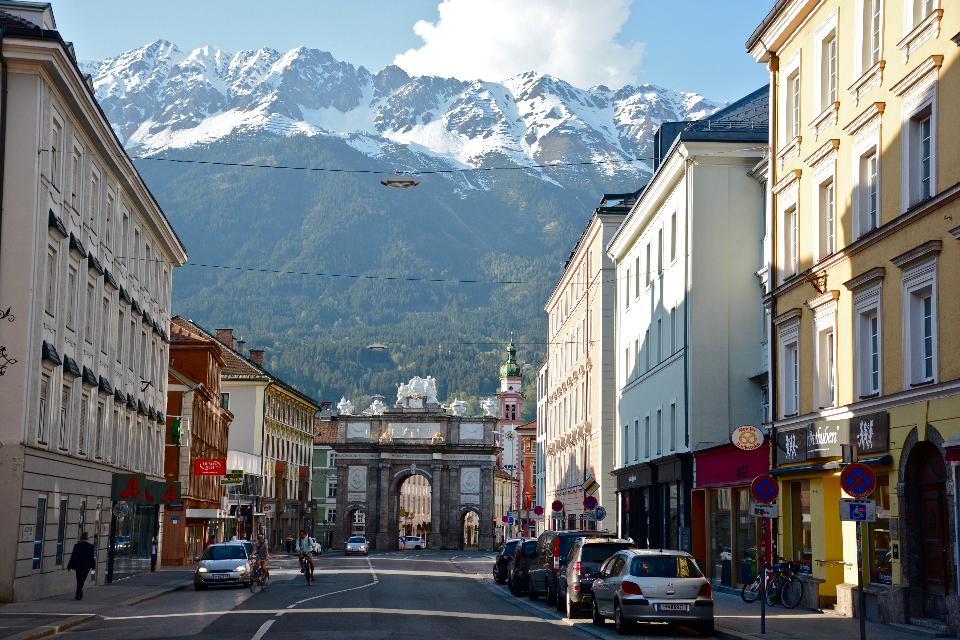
pixel 378 448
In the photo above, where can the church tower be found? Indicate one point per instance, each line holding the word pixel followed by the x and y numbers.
pixel 510 397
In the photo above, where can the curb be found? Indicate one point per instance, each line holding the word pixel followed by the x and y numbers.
pixel 732 634
pixel 51 629
pixel 156 594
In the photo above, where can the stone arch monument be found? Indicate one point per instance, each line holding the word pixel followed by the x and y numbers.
pixel 382 447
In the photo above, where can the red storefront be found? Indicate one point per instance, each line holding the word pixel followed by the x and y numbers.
pixel 724 531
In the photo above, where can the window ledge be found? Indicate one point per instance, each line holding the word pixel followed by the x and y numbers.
pixel 872 77
pixel 827 117
pixel 924 383
pixel 867 396
pixel 790 151
pixel 928 28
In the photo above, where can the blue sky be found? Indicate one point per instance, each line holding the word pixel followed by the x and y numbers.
pixel 695 45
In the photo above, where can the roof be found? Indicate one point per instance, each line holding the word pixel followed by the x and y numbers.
pixel 527 429
pixel 767 19
pixel 239 367
pixel 11 22
pixel 185 333
pixel 746 119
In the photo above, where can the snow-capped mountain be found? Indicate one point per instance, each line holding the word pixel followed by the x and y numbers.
pixel 160 97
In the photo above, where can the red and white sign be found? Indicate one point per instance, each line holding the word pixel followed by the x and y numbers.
pixel 210 467
pixel 747 437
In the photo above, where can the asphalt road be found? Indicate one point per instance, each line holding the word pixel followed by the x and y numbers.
pixel 413 594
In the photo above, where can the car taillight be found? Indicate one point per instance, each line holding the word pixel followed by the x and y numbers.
pixel 575 587
pixel 556 555
pixel 631 588
pixel 706 591
pixel 577 568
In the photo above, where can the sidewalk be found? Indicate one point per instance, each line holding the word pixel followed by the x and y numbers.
pixel 737 619
pixel 40 618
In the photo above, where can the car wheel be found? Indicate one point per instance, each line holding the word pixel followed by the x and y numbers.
pixel 551 597
pixel 512 588
pixel 531 592
pixel 704 628
pixel 598 619
pixel 572 609
pixel 561 600
pixel 622 625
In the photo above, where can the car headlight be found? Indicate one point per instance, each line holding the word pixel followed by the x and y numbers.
pixel 242 568
pixel 202 570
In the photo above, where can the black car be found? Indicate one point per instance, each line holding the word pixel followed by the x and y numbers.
pixel 550 560
pixel 575 581
pixel 519 566
pixel 500 564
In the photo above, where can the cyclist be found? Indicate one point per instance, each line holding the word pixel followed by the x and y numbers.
pixel 305 551
pixel 262 555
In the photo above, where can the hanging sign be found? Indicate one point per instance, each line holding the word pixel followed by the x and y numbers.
pixel 747 437
pixel 210 467
pixel 134 488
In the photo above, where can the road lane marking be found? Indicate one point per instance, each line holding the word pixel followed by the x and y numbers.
pixel 262 631
pixel 340 610
pixel 374 581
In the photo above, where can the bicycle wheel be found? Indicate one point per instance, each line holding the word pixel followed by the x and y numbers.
pixel 791 592
pixel 772 592
pixel 253 581
pixel 750 592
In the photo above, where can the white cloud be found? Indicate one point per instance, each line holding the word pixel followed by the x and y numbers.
pixel 575 40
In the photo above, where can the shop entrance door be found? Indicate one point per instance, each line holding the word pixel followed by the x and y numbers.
pixel 934 548
pixel 926 476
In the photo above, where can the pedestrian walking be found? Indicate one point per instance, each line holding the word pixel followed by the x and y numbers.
pixel 82 560
pixel 153 554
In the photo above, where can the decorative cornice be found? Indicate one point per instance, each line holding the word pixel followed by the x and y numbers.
pixel 94 265
pixel 105 387
pixel 955 232
pixel 109 280
pixel 790 150
pixel 825 298
pixel 825 118
pixel 77 247
pixel 49 353
pixel 88 378
pixel 875 110
pixel 928 28
pixel 787 180
pixel 70 366
pixel 872 77
pixel 865 278
pixel 56 224
pixel 822 153
pixel 926 250
pixel 788 316
pixel 917 74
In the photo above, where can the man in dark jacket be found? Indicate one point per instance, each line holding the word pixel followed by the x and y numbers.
pixel 82 560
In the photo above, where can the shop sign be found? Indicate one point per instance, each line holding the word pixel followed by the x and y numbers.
pixel 210 467
pixel 870 433
pixel 232 477
pixel 134 488
pixel 822 439
pixel 747 437
pixel 858 510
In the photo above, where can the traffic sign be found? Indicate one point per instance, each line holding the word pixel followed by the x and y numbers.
pixel 589 503
pixel 765 489
pixel 601 513
pixel 590 485
pixel 858 480
pixel 538 511
pixel 761 510
pixel 557 505
pixel 509 517
pixel 858 510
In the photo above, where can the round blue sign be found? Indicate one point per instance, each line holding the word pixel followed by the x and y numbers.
pixel 765 489
pixel 601 513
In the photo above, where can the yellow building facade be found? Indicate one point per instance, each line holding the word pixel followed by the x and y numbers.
pixel 864 228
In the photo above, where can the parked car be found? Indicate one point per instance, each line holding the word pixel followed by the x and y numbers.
pixel 574 583
pixel 647 585
pixel 356 544
pixel 501 562
pixel 552 550
pixel 222 564
pixel 413 542
pixel 518 571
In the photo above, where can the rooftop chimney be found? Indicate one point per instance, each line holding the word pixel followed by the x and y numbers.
pixel 241 343
pixel 257 356
pixel 226 337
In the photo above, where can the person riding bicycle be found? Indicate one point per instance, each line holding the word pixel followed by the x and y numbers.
pixel 261 555
pixel 304 549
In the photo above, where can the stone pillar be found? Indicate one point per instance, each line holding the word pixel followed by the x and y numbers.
pixel 486 542
pixel 342 527
pixel 437 490
pixel 385 538
pixel 451 510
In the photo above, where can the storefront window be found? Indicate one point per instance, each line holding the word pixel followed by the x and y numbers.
pixel 720 543
pixel 802 550
pixel 671 495
pixel 746 538
pixel 880 552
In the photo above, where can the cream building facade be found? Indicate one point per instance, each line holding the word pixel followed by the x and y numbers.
pixel 86 260
pixel 577 436
pixel 864 214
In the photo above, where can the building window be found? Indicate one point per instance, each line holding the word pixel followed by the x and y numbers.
pixel 43 408
pixel 793 105
pixel 64 416
pixel 649 266
pixel 659 340
pixel 62 529
pixel 673 236
pixel 920 153
pixel 867 341
pixel 790 371
pixel 646 349
pixel 56 148
pixel 828 70
pixel 917 11
pixel 673 426
pixel 826 369
pixel 828 222
pixel 98 439
pixel 868 194
pixel 225 400
pixel 331 488
pixel 879 535
pixel 108 221
pixel 870 37
pixel 636 277
pixel 71 297
pixel 90 314
pixel 39 530
pixel 76 186
pixel 791 245
pixel 659 250
pixel 93 216
pixel 646 437
pixel 765 403
pixel 659 431
pixel 801 533
pixel 626 290
pixel 82 423
pixel 331 515
pixel 50 294
pixel 920 324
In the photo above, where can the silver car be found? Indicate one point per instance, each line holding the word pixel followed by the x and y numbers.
pixel 222 564
pixel 647 585
pixel 357 544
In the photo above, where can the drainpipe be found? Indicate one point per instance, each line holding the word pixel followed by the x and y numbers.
pixel 3 127
pixel 772 386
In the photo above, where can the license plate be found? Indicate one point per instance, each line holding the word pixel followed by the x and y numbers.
pixel 673 607
pixel 220 576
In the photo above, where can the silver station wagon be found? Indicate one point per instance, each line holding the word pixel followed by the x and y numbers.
pixel 648 585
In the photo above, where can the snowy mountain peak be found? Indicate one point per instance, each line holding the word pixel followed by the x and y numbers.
pixel 158 97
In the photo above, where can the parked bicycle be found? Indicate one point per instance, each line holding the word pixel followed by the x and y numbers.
pixel 257 578
pixel 782 584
